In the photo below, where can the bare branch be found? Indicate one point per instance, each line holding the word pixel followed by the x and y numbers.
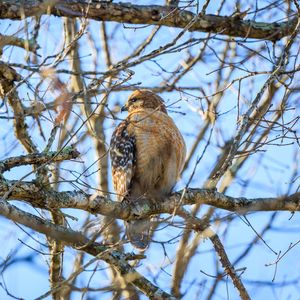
pixel 49 199
pixel 148 14
pixel 29 45
pixel 77 241
pixel 229 269
pixel 38 158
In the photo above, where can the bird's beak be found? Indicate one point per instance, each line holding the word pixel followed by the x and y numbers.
pixel 124 108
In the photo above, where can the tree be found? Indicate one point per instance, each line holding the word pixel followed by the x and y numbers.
pixel 229 73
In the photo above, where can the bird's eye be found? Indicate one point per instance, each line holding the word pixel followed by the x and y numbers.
pixel 134 99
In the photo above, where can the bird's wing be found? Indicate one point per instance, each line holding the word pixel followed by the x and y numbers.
pixel 123 159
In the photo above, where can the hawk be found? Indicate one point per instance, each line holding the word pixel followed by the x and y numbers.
pixel 147 155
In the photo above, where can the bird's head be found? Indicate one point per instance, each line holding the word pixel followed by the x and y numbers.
pixel 144 99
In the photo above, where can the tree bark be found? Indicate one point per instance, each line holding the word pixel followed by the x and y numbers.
pixel 233 26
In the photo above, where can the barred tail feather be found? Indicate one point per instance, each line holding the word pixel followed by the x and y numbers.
pixel 138 233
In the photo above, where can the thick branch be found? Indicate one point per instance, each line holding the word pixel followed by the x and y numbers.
pixel 7 89
pixel 49 199
pixel 78 241
pixel 147 14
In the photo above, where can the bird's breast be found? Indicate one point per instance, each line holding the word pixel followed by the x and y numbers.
pixel 160 152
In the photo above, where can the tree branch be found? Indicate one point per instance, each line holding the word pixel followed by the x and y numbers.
pixel 30 45
pixel 148 14
pixel 50 199
pixel 229 269
pixel 38 158
pixel 77 241
pixel 8 89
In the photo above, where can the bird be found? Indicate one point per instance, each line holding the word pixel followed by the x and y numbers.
pixel 147 154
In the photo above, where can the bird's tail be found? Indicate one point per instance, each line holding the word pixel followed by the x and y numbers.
pixel 138 233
